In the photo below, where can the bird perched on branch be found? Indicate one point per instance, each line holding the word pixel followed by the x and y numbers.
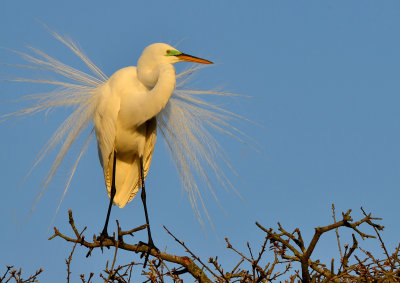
pixel 126 125
pixel 124 112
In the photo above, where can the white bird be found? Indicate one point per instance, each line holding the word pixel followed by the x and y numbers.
pixel 126 110
pixel 126 125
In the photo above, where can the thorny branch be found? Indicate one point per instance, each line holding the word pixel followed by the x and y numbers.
pixel 286 251
pixel 16 274
pixel 314 271
pixel 118 242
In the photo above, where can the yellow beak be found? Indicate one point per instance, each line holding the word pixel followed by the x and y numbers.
pixel 190 58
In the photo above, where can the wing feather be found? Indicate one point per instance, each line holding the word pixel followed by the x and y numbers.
pixel 105 124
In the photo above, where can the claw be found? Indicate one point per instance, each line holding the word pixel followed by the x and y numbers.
pixel 104 236
pixel 150 247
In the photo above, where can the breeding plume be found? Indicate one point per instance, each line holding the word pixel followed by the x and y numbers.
pixel 125 112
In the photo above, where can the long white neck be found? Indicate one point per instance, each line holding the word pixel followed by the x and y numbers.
pixel 161 83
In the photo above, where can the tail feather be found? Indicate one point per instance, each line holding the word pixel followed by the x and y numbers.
pixel 127 183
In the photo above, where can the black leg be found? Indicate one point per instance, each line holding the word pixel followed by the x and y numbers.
pixel 143 196
pixel 104 234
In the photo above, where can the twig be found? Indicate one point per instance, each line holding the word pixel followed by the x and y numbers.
pixel 115 256
pixel 68 261
pixel 190 252
pixel 337 233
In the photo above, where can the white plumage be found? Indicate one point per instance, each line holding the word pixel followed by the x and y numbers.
pixel 126 110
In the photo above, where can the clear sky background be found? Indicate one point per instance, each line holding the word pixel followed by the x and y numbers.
pixel 324 77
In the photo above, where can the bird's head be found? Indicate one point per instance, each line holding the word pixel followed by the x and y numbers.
pixel 162 53
pixel 159 54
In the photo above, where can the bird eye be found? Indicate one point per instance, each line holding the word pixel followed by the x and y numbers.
pixel 172 52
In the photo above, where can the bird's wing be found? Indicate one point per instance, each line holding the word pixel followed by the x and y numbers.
pixel 105 124
pixel 151 137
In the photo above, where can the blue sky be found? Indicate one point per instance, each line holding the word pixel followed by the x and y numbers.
pixel 324 77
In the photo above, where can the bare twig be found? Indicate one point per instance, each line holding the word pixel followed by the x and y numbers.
pixel 337 233
pixel 287 249
pixel 192 254
pixel 68 260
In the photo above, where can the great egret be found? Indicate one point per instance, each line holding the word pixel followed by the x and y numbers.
pixel 126 109
pixel 126 125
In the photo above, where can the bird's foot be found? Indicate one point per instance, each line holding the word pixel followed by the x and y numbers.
pixel 103 237
pixel 150 246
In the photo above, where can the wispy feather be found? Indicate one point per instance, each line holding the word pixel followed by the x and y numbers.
pixel 185 122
